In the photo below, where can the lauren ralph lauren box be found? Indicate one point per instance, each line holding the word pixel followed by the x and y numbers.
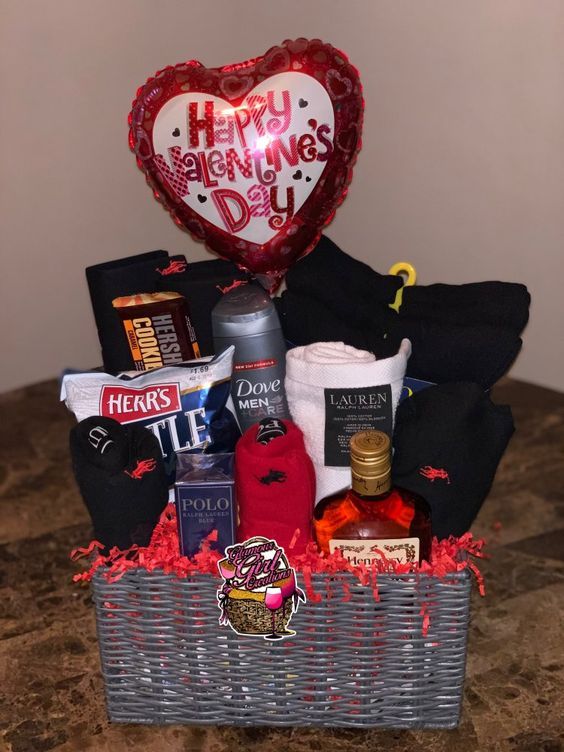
pixel 205 500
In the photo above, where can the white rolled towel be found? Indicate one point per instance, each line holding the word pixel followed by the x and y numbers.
pixel 313 369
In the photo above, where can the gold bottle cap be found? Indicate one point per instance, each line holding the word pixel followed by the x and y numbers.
pixel 371 461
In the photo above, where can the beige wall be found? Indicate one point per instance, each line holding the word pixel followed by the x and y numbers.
pixel 462 169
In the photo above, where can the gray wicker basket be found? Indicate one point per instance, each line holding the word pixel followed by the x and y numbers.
pixel 360 663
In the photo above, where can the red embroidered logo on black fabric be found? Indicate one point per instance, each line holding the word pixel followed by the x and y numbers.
pixel 174 267
pixel 434 473
pixel 236 283
pixel 143 466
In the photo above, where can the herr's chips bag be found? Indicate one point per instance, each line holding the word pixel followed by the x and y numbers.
pixel 183 405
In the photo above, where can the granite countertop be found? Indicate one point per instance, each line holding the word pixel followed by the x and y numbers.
pixel 51 690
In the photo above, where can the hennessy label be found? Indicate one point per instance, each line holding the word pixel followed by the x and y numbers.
pixel 404 550
pixel 348 411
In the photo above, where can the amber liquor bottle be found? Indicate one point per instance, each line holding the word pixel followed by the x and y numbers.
pixel 373 519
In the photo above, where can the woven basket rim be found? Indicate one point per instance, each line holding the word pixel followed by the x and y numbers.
pixel 316 577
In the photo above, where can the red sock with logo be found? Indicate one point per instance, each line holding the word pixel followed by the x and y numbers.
pixel 275 485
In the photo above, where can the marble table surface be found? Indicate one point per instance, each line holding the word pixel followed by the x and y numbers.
pixel 51 690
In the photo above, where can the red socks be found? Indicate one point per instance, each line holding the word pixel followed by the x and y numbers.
pixel 275 488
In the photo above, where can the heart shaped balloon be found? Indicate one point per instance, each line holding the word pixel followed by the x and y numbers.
pixel 252 158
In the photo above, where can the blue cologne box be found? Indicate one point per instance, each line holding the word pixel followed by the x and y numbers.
pixel 205 500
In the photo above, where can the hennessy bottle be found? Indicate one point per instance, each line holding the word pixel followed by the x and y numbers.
pixel 373 519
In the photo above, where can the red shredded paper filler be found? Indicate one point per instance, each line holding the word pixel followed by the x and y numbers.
pixel 163 553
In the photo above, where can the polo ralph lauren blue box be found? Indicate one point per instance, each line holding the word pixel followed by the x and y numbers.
pixel 205 500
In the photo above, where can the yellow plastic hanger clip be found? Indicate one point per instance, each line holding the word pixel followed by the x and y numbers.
pixel 403 268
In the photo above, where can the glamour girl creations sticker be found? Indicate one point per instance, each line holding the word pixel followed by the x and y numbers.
pixel 259 594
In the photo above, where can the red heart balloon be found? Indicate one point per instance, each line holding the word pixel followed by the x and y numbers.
pixel 252 158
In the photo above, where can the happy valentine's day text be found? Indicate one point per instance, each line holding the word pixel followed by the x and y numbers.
pixel 209 128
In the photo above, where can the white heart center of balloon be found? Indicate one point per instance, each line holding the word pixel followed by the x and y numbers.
pixel 243 168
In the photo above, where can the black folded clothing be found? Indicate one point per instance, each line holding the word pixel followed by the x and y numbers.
pixel 201 283
pixel 504 304
pixel 441 351
pixel 113 279
pixel 305 320
pixel 460 333
pixel 120 472
pixel 328 272
pixel 448 441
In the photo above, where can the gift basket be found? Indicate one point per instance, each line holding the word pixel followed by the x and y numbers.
pixel 356 660
pixel 281 488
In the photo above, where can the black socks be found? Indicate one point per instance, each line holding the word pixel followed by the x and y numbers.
pixel 448 441
pixel 120 473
